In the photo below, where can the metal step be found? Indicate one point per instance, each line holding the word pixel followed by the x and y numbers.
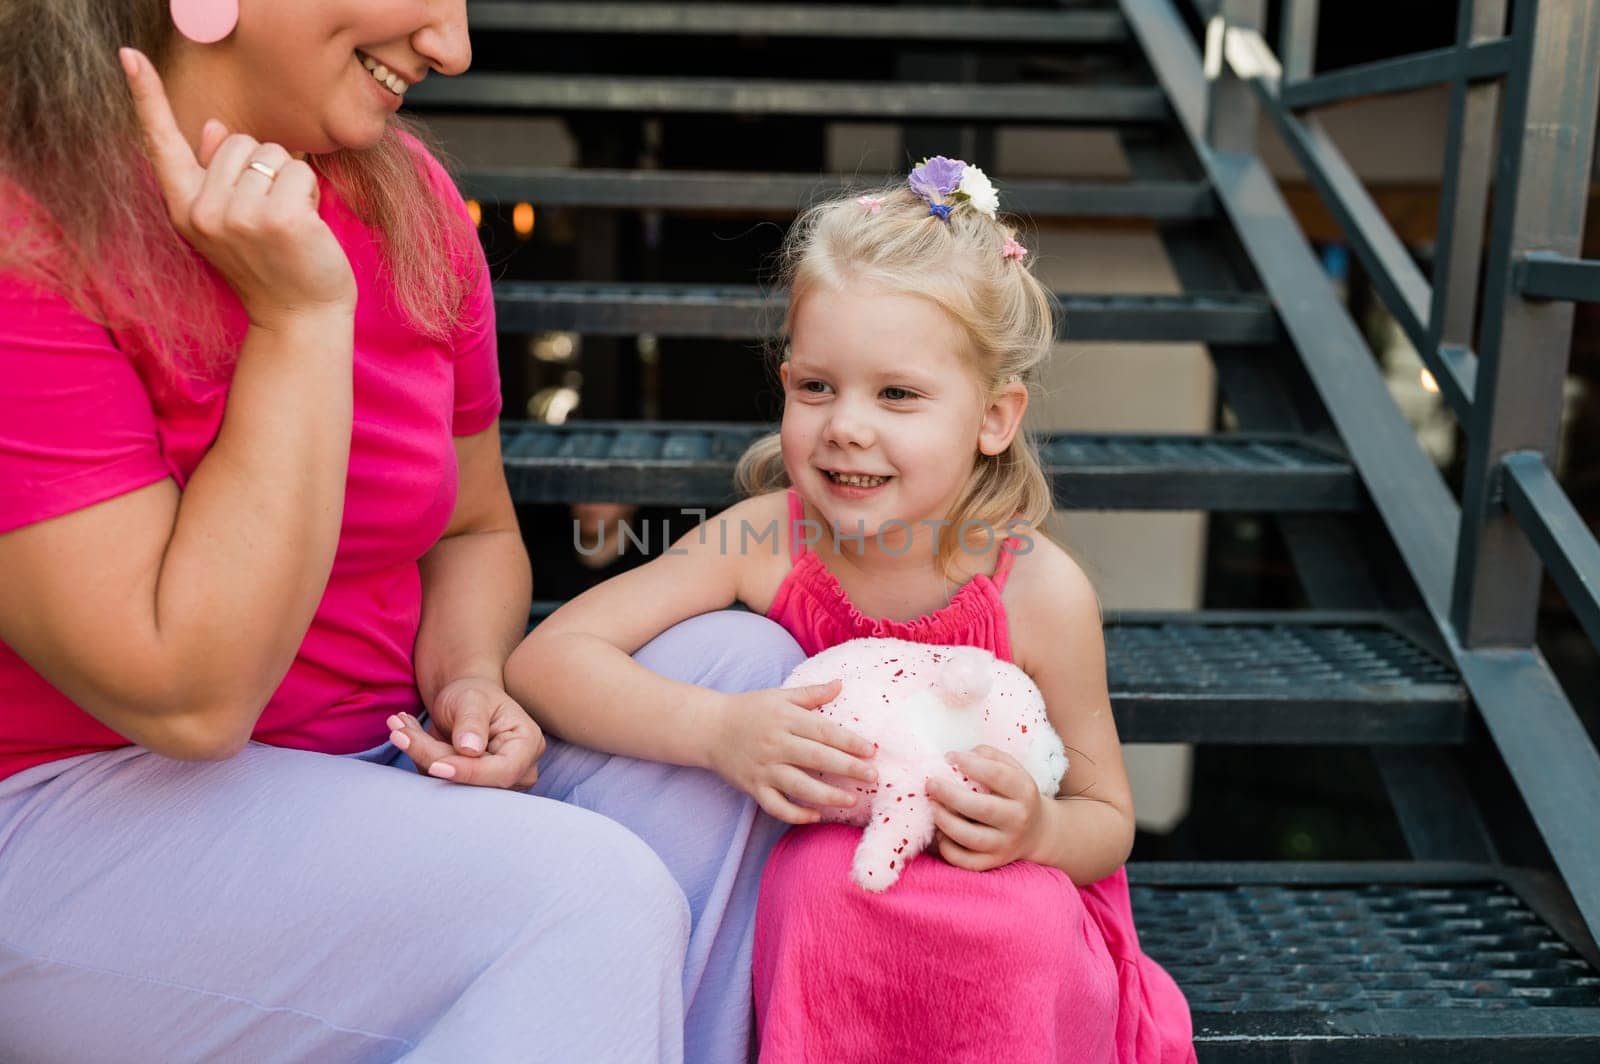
pixel 1372 961
pixel 1281 678
pixel 787 193
pixel 672 464
pixel 878 101
pixel 1317 678
pixel 855 21
pixel 744 312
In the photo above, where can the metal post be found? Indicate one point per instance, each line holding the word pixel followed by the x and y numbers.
pixel 1541 187
pixel 1298 41
pixel 975 143
pixel 1231 108
pixel 1468 157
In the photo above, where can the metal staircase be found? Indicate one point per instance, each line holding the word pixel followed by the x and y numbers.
pixel 1452 955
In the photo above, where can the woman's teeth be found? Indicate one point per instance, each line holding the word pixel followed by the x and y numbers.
pixel 855 481
pixel 393 82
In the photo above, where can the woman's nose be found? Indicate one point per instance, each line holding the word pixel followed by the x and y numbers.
pixel 444 41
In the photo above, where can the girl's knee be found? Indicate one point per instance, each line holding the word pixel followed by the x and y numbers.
pixel 729 650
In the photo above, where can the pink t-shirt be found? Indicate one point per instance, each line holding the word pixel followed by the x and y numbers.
pixel 81 422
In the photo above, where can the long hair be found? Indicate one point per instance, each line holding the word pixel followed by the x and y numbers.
pixel 1003 311
pixel 81 213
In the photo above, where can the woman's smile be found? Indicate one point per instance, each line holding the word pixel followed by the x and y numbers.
pixel 383 92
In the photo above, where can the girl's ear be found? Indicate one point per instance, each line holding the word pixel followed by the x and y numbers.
pixel 1003 418
pixel 783 374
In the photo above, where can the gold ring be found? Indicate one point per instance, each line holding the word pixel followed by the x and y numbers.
pixel 262 168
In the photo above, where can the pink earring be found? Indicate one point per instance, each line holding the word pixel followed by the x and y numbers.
pixel 205 21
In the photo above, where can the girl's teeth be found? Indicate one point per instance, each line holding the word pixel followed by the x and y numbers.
pixel 384 76
pixel 854 481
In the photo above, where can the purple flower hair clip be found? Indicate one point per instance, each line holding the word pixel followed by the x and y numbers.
pixel 944 183
pixel 937 177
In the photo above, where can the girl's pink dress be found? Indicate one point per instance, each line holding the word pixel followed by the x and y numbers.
pixel 1012 965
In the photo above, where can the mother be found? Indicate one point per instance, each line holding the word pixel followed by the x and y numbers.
pixel 252 514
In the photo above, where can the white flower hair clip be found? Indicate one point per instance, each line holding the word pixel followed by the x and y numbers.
pixel 979 190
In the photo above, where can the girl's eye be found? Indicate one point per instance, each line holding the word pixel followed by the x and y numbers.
pixel 896 395
pixel 814 387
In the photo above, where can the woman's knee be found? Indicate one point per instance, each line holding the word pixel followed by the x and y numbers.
pixel 617 882
pixel 728 650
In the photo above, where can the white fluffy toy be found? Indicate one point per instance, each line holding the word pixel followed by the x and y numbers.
pixel 917 702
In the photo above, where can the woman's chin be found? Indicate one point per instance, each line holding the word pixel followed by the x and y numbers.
pixel 354 136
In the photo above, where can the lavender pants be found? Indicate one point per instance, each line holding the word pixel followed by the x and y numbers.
pixel 292 906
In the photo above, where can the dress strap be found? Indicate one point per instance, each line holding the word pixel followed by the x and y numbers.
pixel 1002 569
pixel 797 515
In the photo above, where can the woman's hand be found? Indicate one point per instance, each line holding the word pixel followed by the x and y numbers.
pixel 767 743
pixel 984 831
pixel 476 734
pixel 263 234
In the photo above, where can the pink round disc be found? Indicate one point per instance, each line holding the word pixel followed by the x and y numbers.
pixel 205 21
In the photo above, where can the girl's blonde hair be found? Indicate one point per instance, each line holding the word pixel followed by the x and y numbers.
pixel 81 214
pixel 890 242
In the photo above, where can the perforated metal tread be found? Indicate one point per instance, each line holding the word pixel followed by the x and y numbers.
pixel 855 21
pixel 1100 105
pixel 666 464
pixel 787 193
pixel 1278 677
pixel 744 312
pixel 1298 678
pixel 1372 961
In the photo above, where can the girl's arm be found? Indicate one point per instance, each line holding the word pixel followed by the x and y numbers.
pixel 1087 831
pixel 575 671
pixel 576 674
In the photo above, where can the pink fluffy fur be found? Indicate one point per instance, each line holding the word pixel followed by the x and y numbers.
pixel 918 702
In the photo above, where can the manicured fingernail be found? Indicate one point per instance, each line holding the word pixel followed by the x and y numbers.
pixel 394 723
pixel 471 741
pixel 400 739
pixel 442 770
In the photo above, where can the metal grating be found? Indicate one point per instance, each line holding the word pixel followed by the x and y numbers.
pixel 858 21
pixel 1179 656
pixel 745 312
pixel 666 464
pixel 877 101
pixel 787 193
pixel 1287 678
pixel 1289 948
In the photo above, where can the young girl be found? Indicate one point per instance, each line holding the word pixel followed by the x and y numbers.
pixel 908 503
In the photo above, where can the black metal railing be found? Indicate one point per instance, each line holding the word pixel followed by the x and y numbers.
pixel 1548 64
pixel 1522 112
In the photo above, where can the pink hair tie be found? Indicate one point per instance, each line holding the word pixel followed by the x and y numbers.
pixel 873 204
pixel 1013 250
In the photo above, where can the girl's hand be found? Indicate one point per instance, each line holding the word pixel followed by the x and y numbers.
pixel 263 234
pixel 476 734
pixel 984 831
pixel 767 744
